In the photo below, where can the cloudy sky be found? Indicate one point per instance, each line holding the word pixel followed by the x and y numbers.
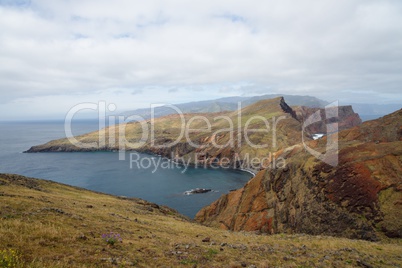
pixel 56 54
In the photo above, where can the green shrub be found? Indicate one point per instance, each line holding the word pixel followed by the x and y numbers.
pixel 9 258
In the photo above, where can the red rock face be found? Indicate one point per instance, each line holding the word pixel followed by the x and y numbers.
pixel 354 185
pixel 347 118
pixel 359 198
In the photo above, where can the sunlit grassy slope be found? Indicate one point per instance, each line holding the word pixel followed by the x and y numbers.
pixel 54 225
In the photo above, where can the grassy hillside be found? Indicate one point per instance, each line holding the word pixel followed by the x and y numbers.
pixel 199 138
pixel 245 138
pixel 46 224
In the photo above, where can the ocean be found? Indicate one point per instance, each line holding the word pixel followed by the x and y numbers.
pixel 103 172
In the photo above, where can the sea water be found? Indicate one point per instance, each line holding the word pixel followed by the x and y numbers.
pixel 104 172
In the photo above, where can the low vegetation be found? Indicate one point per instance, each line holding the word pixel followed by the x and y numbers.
pixel 46 224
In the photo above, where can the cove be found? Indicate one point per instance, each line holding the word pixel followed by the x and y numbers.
pixel 103 172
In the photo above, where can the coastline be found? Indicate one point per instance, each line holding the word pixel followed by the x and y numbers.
pixel 248 171
pixel 150 153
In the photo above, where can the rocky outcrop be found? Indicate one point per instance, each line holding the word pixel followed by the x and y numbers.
pixel 361 197
pixel 197 191
pixel 346 118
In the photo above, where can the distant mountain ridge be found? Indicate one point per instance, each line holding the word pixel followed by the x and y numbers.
pixel 375 108
pixel 367 111
pixel 226 104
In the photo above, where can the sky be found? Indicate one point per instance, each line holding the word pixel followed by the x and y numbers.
pixel 57 54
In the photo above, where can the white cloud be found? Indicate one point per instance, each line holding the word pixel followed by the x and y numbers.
pixel 62 50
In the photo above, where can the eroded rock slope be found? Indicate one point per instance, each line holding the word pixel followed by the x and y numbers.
pixel 360 197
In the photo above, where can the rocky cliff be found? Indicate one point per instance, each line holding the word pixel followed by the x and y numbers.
pixel 360 197
pixel 346 117
pixel 226 139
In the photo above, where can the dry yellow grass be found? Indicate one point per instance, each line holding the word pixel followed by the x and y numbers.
pixel 54 225
pixel 263 123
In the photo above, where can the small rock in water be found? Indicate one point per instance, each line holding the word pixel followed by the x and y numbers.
pixel 197 191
